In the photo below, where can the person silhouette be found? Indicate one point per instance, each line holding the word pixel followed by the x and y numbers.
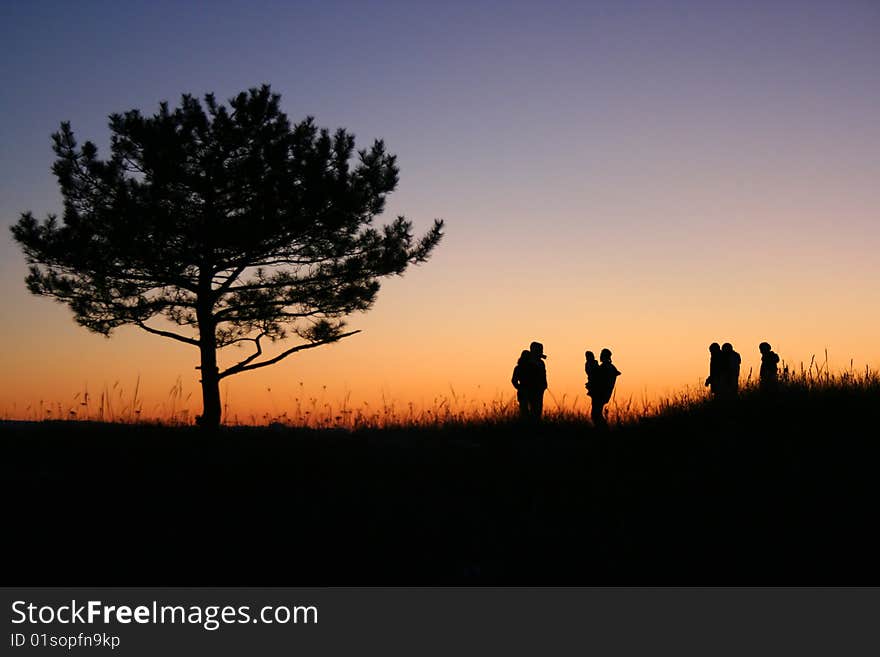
pixel 536 386
pixel 715 380
pixel 593 385
pixel 731 361
pixel 602 388
pixel 769 371
pixel 591 367
pixel 523 375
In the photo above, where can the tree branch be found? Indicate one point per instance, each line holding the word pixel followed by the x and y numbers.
pixel 244 366
pixel 253 356
pixel 222 314
pixel 220 290
pixel 169 334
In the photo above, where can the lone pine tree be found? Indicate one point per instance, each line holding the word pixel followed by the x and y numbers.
pixel 226 221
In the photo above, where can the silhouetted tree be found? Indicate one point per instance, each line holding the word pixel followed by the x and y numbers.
pixel 229 222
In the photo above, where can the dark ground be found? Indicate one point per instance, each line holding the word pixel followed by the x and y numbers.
pixel 768 493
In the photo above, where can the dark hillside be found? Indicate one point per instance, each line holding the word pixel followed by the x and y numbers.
pixel 781 491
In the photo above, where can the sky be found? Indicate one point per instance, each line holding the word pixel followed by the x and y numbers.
pixel 644 176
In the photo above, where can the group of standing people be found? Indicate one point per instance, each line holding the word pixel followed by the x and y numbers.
pixel 530 377
pixel 530 380
pixel 724 366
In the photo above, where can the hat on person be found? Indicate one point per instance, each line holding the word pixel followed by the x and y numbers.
pixel 538 349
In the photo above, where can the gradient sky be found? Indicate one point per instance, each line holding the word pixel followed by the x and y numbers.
pixel 646 176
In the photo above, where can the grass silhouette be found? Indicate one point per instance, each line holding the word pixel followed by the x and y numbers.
pixel 117 405
pixel 778 489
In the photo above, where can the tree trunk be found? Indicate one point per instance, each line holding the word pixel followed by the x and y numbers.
pixel 211 409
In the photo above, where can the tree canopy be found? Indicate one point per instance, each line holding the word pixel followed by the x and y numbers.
pixel 229 222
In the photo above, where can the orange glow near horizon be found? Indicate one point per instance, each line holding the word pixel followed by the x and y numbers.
pixel 435 335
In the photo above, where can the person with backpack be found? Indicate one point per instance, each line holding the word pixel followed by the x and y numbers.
pixel 731 360
pixel 603 388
